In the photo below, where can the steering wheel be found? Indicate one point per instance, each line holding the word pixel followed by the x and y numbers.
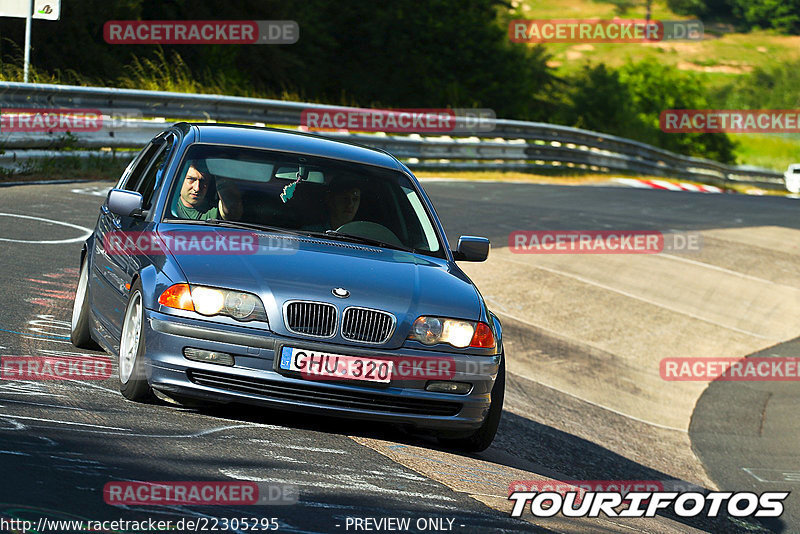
pixel 370 230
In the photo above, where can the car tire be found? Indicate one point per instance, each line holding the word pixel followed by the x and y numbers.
pixel 132 377
pixel 482 438
pixel 79 333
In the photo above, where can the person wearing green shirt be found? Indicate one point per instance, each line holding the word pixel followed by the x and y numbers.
pixel 193 202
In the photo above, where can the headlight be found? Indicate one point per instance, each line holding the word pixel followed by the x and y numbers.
pixel 213 301
pixel 427 330
pixel 241 305
pixel 207 301
pixel 460 334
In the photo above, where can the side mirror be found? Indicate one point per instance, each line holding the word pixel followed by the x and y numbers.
pixel 471 248
pixel 125 203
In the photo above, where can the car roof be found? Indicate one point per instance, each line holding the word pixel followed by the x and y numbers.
pixel 290 141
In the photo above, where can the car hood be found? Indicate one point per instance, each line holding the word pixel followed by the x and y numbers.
pixel 286 268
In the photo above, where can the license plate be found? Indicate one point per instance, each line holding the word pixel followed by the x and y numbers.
pixel 315 365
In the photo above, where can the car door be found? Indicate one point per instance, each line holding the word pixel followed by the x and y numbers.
pixel 116 266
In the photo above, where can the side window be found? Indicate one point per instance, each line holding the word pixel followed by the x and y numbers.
pixel 147 185
pixel 144 176
pixel 127 172
pixel 136 169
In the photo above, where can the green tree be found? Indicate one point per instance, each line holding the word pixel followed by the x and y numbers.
pixel 775 87
pixel 600 101
pixel 396 54
pixel 628 102
pixel 781 15
pixel 688 7
pixel 655 87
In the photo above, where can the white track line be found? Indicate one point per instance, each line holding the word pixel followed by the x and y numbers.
pixel 87 231
pixel 10 416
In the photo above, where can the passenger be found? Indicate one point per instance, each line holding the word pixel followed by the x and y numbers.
pixel 193 202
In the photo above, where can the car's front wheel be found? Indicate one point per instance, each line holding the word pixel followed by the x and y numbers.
pixel 79 331
pixel 482 438
pixel 132 378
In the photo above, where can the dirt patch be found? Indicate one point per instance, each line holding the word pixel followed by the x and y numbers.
pixel 725 69
pixel 681 48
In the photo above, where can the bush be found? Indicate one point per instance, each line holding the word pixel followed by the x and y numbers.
pixel 629 101
pixel 776 87
pixel 696 8
pixel 781 15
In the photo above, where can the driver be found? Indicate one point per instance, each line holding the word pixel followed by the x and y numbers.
pixel 193 202
pixel 343 204
pixel 341 201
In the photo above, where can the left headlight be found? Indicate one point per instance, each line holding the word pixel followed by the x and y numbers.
pixel 212 301
pixel 460 334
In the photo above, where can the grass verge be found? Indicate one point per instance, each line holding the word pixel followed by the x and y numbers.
pixel 67 168
pixel 773 151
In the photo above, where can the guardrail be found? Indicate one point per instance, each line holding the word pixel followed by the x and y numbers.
pixel 512 145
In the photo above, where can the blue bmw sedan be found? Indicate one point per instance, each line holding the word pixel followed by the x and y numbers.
pixel 282 269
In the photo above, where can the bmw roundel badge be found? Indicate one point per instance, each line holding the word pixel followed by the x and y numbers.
pixel 340 292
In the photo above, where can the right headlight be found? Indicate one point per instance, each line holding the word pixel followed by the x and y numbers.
pixel 212 301
pixel 458 333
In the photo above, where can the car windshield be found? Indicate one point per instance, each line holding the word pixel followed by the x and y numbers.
pixel 311 195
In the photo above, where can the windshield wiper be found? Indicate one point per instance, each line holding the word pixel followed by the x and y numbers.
pixel 364 240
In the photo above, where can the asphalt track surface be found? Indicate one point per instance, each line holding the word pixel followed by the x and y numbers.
pixel 584 397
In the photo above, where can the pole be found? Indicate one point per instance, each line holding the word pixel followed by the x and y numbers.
pixel 28 20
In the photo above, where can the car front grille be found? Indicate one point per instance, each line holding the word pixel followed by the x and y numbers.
pixel 366 325
pixel 326 396
pixel 310 318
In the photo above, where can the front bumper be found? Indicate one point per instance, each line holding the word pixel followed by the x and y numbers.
pixel 254 379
